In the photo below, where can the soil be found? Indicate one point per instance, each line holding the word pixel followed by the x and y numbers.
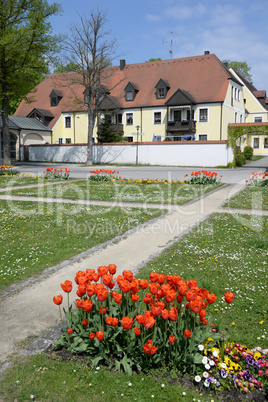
pixel 223 395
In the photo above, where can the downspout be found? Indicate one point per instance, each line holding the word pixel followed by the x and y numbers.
pixel 221 123
pixel 20 145
pixel 141 123
pixel 74 126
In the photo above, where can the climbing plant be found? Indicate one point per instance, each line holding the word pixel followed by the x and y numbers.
pixel 234 133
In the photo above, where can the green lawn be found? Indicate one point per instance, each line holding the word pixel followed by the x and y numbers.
pixel 34 236
pixel 250 198
pixel 114 191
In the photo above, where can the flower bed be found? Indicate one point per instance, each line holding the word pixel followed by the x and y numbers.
pixel 101 175
pixel 258 179
pixel 147 323
pixel 6 170
pixel 203 177
pixel 56 174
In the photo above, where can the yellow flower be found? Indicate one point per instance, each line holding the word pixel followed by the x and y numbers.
pixel 261 322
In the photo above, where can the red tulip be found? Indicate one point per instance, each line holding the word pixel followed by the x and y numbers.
pixel 115 322
pixel 85 321
pixel 57 299
pixel 102 270
pixel 171 338
pixel 112 269
pixel 109 320
pixel 143 283
pixel 229 297
pixel 87 306
pixel 211 298
pixel 187 333
pixel 153 350
pixel 100 335
pixel 127 322
pixel 91 335
pixel 102 310
pixel 137 331
pixel 70 331
pixel 67 286
pixel 140 319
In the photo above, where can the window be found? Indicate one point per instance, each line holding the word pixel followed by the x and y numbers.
pixel 60 139
pixel 119 118
pixel 53 101
pixel 67 121
pixel 238 95
pixel 68 140
pixel 235 117
pixel 177 115
pixel 203 115
pixel 256 143
pixel 258 119
pixel 265 142
pixel 129 139
pixel 129 96
pixel 157 118
pixel 235 93
pixel 158 138
pixel 161 93
pixel 203 137
pixel 129 119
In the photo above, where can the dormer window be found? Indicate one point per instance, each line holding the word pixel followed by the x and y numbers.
pixel 130 92
pixel 55 97
pixel 162 88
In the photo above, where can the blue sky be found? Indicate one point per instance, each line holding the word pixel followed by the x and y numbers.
pixel 235 30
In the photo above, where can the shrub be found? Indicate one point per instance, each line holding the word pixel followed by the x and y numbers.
pixel 239 159
pixel 248 152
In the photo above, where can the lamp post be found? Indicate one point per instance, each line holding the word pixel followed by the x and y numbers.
pixel 137 149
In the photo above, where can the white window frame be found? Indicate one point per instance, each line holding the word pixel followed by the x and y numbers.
pixel 66 117
pixel 154 112
pixel 68 138
pixel 258 117
pixel 199 114
pixel 199 135
pixel 265 147
pixel 126 123
pixel 253 143
pixel 60 142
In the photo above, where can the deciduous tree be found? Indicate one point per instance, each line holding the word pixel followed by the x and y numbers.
pixel 26 46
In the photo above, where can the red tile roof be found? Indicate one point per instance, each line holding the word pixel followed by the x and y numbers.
pixel 204 77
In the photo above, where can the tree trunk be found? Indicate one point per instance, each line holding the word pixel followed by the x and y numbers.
pixel 91 121
pixel 5 133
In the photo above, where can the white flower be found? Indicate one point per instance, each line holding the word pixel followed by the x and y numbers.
pixel 206 383
pixel 211 362
pixel 90 384
pixel 207 366
pixel 204 360
pixel 205 374
pixel 97 368
pixel 223 365
pixel 163 385
pixel 152 396
pixel 184 393
pixel 215 352
pixel 129 384
pixel 201 347
pixel 197 378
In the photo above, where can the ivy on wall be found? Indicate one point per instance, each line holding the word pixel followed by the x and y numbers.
pixel 234 133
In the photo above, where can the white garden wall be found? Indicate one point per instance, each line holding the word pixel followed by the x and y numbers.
pixel 201 153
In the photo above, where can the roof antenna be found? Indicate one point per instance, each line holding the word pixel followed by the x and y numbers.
pixel 171 44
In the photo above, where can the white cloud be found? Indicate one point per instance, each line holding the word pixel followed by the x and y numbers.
pixel 153 17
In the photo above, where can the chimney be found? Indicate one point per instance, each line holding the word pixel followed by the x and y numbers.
pixel 122 64
pixel 206 52
pixel 225 63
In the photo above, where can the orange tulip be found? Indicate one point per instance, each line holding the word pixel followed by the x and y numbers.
pixel 117 298
pixel 156 311
pixel 135 297
pixel 153 350
pixel 202 313
pixel 143 283
pixel 112 269
pixel 109 320
pixel 67 286
pixel 90 290
pixel 147 348
pixel 70 331
pixel 124 286
pixel 149 322
pixel 91 335
pixel 89 274
pixel 102 270
pixel 164 314
pixel 153 287
pixel 102 295
pixel 78 275
pixel 127 323
pixel 183 289
pixel 87 306
pixel 153 276
pixel 102 310
pixel 211 298
pixel 170 296
pixel 79 303
pixel 195 306
pixel 140 319
pixel 100 335
pixel 173 314
pixel 107 279
pixel 85 321
pixel 96 276
pixel 128 275
pixel 187 333
pixel 137 331
pixel 82 290
pixel 161 278
pixel 115 322
pixel 171 338
pixel 57 300
pixel 229 297
pixel 190 295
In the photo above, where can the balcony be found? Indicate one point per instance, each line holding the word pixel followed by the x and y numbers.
pixel 183 126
